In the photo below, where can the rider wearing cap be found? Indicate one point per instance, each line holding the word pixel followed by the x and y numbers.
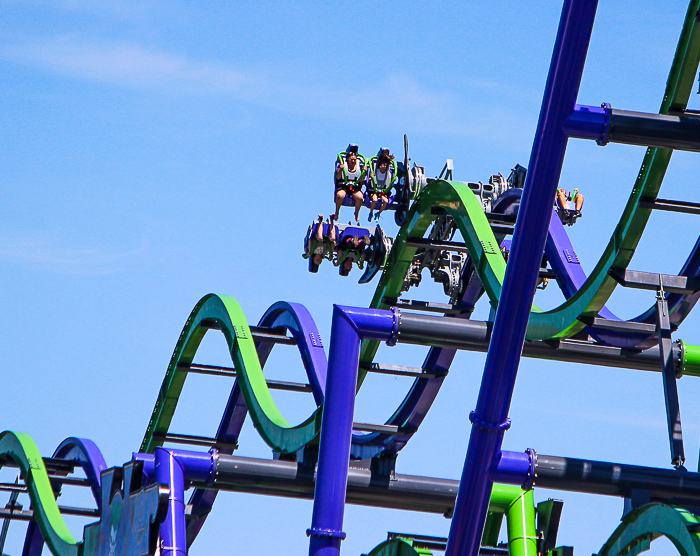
pixel 350 176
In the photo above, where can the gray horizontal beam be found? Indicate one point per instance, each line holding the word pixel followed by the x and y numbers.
pixel 473 335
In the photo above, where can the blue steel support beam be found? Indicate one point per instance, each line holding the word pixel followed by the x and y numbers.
pixel 173 533
pixel 605 124
pixel 349 326
pixel 491 415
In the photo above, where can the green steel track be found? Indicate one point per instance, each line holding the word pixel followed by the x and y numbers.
pixel 20 448
pixel 457 200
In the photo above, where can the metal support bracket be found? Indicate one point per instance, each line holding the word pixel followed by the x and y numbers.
pixel 669 373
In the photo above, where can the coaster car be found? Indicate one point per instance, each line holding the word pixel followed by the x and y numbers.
pixel 376 254
pixel 356 253
pixel 568 215
pixel 312 245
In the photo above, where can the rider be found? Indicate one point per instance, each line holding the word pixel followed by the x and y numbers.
pixel 320 246
pixel 350 176
pixel 575 196
pixel 383 172
pixel 351 249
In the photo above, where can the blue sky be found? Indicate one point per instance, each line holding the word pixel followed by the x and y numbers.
pixel 154 152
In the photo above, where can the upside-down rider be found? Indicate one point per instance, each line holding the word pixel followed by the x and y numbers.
pixel 320 246
pixel 351 249
pixel 575 196
pixel 382 175
pixel 350 176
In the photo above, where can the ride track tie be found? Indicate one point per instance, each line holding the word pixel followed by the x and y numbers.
pixel 214 370
pixel 686 207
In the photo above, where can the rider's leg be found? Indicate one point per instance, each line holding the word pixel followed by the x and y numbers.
pixel 339 196
pixel 358 198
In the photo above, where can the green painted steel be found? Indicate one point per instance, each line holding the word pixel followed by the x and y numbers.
pixel 398 547
pixel 21 449
pixel 228 315
pixel 643 525
pixel 519 509
pixel 457 200
pixel 691 360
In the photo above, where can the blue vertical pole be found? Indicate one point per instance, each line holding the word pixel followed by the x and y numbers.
pixel 490 419
pixel 173 531
pixel 348 327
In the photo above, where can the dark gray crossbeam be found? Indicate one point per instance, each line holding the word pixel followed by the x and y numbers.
pixel 429 306
pixel 624 325
pixel 435 495
pixel 653 282
pixel 473 335
pixel 259 333
pixel 28 515
pixel 215 370
pixel 194 440
pixel 438 245
pixel 399 370
pixel 671 206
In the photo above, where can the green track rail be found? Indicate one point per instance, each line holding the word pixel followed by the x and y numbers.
pixel 21 449
pixel 269 422
pixel 647 523
pixel 458 200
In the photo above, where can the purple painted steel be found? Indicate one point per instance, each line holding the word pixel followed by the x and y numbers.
pixel 170 472
pixel 296 319
pixel 589 122
pixel 571 277
pixel 349 326
pixel 521 275
pixel 197 466
pixel 511 468
pixel 91 460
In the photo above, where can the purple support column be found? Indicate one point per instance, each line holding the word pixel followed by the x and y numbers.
pixel 173 529
pixel 490 419
pixel 349 326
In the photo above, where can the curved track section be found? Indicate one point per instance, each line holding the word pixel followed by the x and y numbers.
pixel 224 313
pixel 590 298
pixel 88 456
pixel 643 525
pixel 296 319
pixel 571 278
pixel 21 449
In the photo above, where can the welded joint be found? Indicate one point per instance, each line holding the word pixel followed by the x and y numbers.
pixel 488 426
pixel 603 140
pixel 532 470
pixel 332 533
pixel 214 465
pixel 394 335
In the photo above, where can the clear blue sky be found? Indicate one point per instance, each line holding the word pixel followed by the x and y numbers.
pixel 154 152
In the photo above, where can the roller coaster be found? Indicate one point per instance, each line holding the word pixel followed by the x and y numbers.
pixel 141 507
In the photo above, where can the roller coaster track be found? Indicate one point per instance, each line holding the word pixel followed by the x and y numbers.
pixel 457 200
pixel 571 278
pixel 586 298
pixel 21 449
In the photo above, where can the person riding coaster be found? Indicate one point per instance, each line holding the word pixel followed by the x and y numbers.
pixel 569 206
pixel 320 242
pixel 349 178
pixel 351 249
pixel 383 173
